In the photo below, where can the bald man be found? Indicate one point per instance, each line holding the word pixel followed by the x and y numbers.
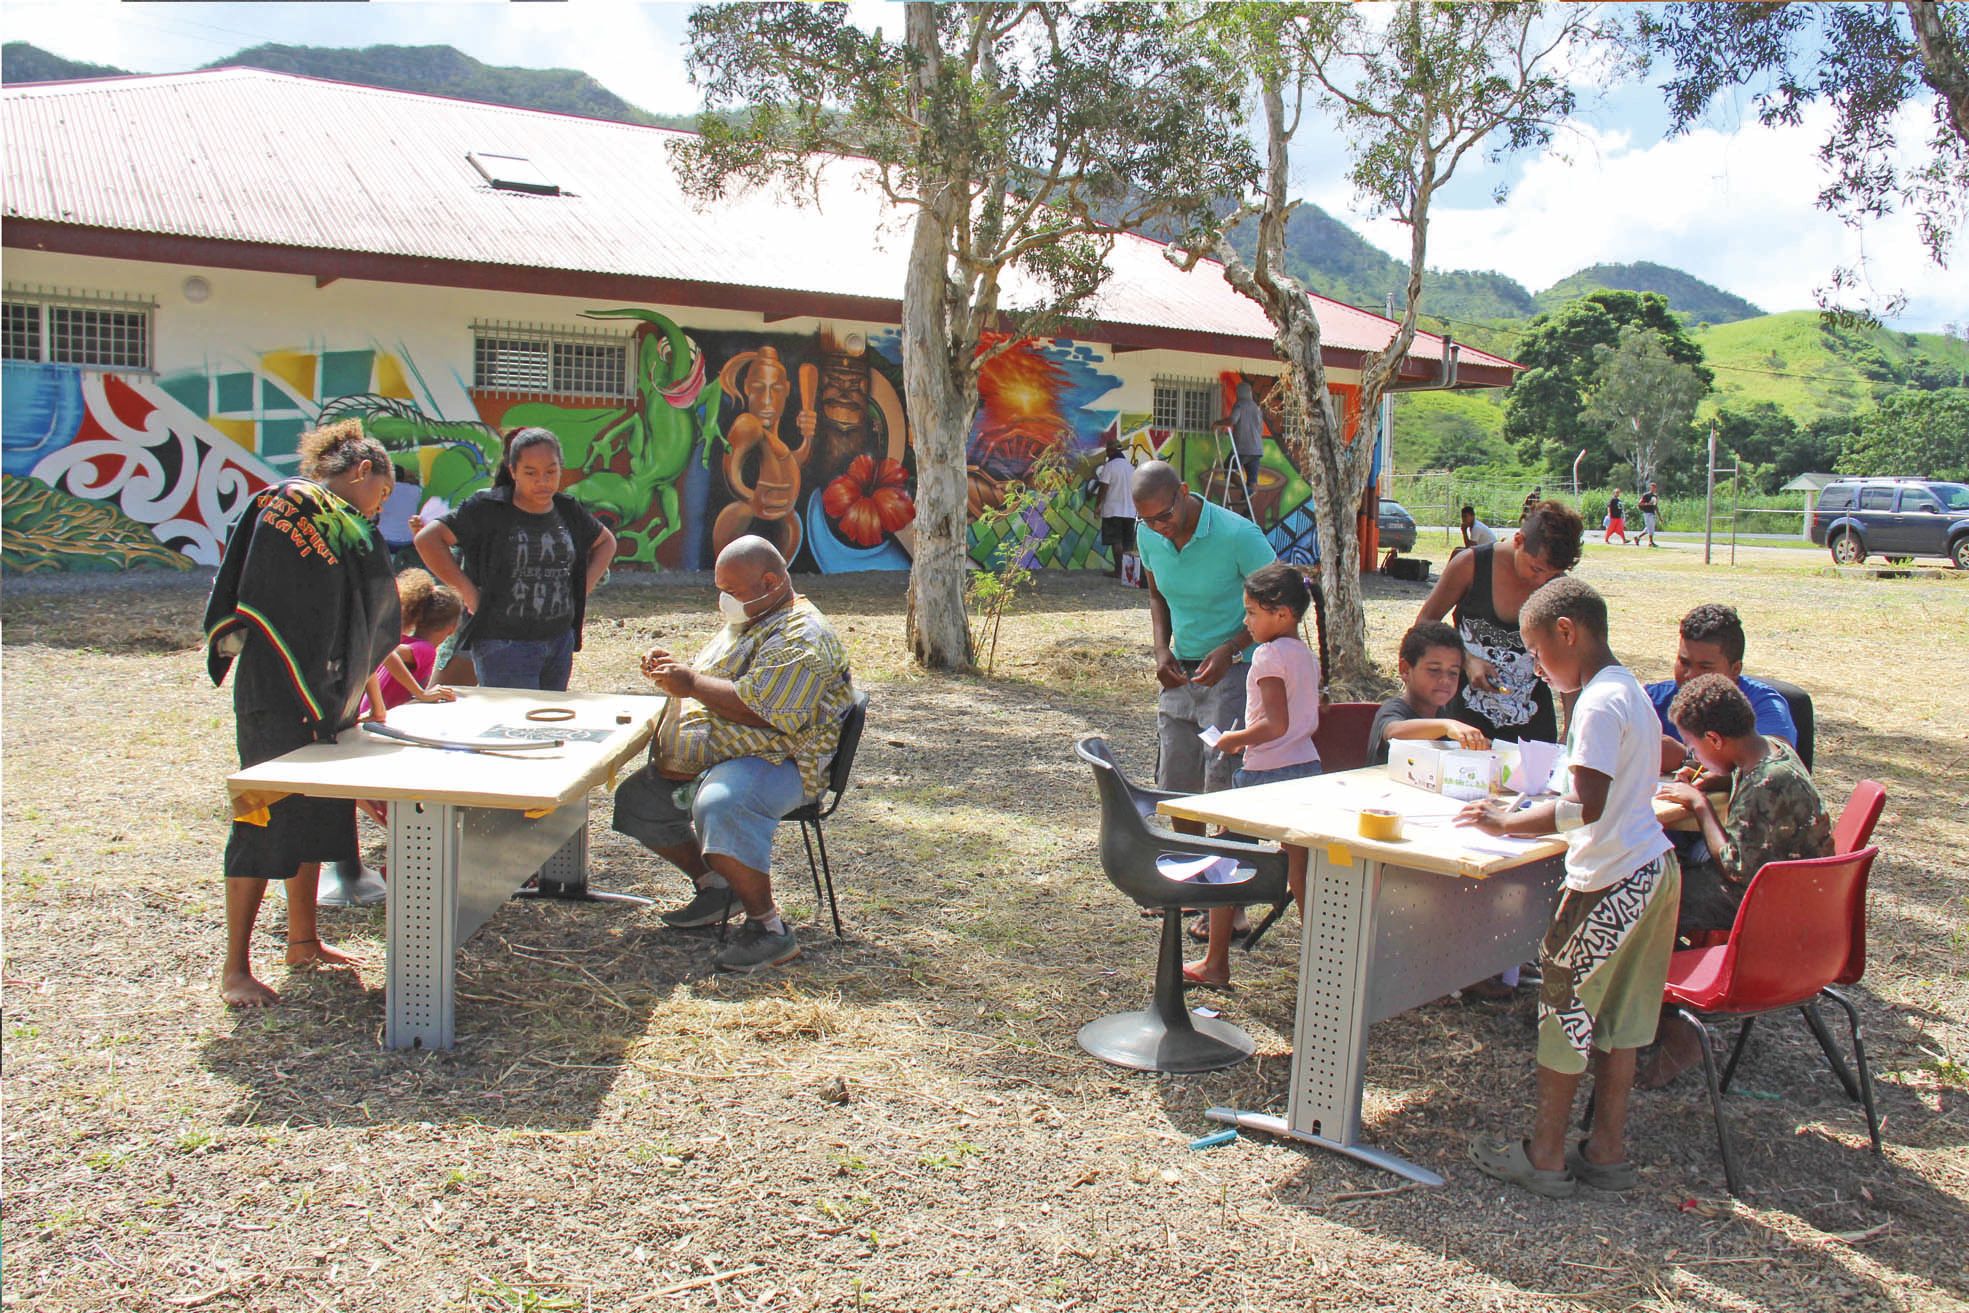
pixel 762 716
pixel 1196 555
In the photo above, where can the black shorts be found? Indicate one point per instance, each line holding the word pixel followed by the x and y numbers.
pixel 298 829
pixel 1118 531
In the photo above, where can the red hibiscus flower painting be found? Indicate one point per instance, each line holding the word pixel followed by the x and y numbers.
pixel 870 500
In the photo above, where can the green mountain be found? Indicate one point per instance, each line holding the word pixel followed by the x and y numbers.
pixel 22 62
pixel 436 70
pixel 1809 369
pixel 1332 259
pixel 1689 296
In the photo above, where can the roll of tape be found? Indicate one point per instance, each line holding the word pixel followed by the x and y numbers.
pixel 1377 823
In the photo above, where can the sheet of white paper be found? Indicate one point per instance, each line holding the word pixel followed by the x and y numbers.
pixel 1199 870
pixel 1497 845
pixel 1210 736
pixel 1535 763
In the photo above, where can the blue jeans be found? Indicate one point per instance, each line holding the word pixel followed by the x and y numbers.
pixel 732 809
pixel 1245 779
pixel 543 663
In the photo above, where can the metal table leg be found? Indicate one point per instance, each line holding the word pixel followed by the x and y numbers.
pixel 451 868
pixel 1378 941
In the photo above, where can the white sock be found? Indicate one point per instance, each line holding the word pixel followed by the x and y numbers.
pixel 772 923
pixel 712 880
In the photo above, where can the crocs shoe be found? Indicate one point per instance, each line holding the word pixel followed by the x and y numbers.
pixel 1508 1161
pixel 1601 1176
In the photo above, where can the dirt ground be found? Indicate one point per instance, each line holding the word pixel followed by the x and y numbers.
pixel 901 1119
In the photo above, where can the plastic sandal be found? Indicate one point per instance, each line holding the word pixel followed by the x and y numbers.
pixel 1507 1161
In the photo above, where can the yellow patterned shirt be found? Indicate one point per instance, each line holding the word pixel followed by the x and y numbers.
pixel 791 670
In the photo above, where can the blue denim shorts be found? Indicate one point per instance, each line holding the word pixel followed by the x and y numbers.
pixel 543 663
pixel 1245 779
pixel 732 809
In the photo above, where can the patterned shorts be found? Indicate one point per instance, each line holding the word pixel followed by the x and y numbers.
pixel 1604 962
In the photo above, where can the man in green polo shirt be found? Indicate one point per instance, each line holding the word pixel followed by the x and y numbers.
pixel 1197 556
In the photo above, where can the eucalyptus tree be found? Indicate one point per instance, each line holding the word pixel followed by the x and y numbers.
pixel 1019 140
pixel 1413 90
pixel 1644 400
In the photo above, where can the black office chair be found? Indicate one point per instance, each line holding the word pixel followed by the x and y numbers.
pixel 811 814
pixel 1166 1036
pixel 1800 703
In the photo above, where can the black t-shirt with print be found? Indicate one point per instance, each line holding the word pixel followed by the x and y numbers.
pixel 526 566
pixel 1648 503
pixel 1614 509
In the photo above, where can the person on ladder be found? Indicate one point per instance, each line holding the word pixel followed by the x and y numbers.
pixel 1247 428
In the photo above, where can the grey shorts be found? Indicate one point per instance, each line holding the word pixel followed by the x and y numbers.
pixel 1182 762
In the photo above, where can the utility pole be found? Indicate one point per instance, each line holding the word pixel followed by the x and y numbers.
pixel 1709 495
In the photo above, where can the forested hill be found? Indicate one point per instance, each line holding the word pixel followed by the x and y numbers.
pixel 1324 253
pixel 436 70
pixel 1701 302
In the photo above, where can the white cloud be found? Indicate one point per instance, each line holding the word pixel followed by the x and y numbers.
pixel 1735 209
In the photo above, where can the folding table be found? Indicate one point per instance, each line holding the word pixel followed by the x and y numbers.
pixel 466 828
pixel 1388 926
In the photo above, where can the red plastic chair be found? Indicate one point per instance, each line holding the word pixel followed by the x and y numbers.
pixel 1856 822
pixel 1792 939
pixel 1342 735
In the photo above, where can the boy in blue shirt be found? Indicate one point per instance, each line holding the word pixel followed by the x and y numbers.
pixel 1712 643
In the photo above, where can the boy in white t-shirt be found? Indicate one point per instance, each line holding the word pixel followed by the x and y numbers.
pixel 1605 958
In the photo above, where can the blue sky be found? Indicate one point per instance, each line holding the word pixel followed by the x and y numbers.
pixel 1730 202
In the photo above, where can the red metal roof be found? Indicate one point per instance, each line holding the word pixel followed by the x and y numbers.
pixel 277 161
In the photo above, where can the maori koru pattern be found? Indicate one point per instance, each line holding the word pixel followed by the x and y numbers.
pixel 1611 918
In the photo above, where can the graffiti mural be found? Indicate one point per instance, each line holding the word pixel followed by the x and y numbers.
pixel 802 438
pixel 127 449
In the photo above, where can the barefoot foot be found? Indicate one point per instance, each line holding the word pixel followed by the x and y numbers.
pixel 302 951
pixel 241 990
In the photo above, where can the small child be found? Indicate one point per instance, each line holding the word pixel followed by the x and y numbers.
pixel 1431 667
pixel 1283 709
pixel 1605 957
pixel 430 615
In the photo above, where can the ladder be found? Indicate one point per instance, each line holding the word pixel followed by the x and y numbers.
pixel 1234 468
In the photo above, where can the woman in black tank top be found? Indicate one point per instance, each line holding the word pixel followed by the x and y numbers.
pixel 1502 694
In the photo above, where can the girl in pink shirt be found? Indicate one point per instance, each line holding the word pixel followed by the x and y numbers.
pixel 1283 709
pixel 430 613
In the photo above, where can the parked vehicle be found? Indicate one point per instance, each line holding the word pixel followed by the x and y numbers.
pixel 1397 526
pixel 1895 518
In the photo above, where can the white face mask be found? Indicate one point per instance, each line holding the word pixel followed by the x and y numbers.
pixel 733 610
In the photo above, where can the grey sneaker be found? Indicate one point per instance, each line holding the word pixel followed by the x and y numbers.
pixel 755 948
pixel 706 907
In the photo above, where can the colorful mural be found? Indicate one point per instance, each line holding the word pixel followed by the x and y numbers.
pixel 800 437
pixel 131 449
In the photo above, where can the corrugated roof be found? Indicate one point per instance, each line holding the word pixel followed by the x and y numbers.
pixel 245 155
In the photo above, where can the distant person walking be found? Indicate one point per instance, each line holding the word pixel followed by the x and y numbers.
pixel 1650 514
pixel 1532 498
pixel 1616 519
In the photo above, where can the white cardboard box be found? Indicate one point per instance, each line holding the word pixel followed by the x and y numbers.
pixel 1417 761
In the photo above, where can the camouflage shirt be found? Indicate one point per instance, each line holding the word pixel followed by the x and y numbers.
pixel 1775 815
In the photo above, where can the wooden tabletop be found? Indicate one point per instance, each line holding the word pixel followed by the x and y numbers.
pixel 1324 812
pixel 359 765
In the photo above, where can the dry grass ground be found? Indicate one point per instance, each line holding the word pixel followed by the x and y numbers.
pixel 902 1121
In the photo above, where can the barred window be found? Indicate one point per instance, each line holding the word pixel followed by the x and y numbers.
pixel 106 335
pixel 1187 406
pixel 21 333
pixel 518 360
pixel 1199 412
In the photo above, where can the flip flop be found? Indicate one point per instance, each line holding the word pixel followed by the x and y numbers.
pixel 1601 1176
pixel 1507 1161
pixel 1191 977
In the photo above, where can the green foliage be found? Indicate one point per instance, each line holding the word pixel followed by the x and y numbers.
pixel 994 590
pixel 1689 296
pixel 1450 430
pixel 1544 411
pixel 1773 448
pixel 1643 401
pixel 1913 434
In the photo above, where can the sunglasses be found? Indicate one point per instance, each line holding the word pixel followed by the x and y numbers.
pixel 1162 516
